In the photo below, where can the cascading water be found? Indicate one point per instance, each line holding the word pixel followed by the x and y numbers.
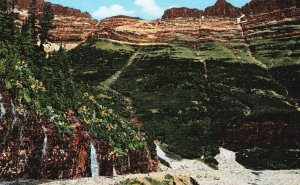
pixel 94 161
pixel 13 111
pixel 44 143
pixel 115 171
pixel 2 107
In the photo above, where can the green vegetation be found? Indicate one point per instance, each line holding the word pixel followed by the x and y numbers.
pixel 186 96
pixel 282 56
pixel 155 182
pixel 131 182
pixel 168 180
pixel 45 22
pixel 190 107
pixel 277 52
pixel 261 159
pixel 94 65
pixel 289 76
pixel 47 85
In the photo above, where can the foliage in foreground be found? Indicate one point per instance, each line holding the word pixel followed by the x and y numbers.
pixel 46 85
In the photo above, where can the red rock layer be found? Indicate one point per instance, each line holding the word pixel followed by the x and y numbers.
pixel 262 6
pixel 57 9
pixel 24 152
pixel 222 8
pixel 281 19
pixel 268 134
pixel 181 12
pixel 140 161
pixel 169 30
pixel 70 25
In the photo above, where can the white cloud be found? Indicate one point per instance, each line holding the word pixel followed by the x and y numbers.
pixel 113 10
pixel 173 6
pixel 150 7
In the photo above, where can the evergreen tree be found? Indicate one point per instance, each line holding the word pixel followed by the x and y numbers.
pixel 8 30
pixel 3 5
pixel 46 23
pixel 27 40
pixel 32 19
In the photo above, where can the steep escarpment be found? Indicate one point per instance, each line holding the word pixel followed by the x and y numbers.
pixel 262 6
pixel 274 39
pixel 71 26
pixel 222 8
pixel 166 31
pixel 57 9
pixel 181 12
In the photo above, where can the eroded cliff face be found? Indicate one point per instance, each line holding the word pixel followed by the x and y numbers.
pixel 32 147
pixel 222 8
pixel 188 29
pixel 71 26
pixel 283 134
pixel 262 6
pixel 275 24
pixel 181 12
pixel 57 9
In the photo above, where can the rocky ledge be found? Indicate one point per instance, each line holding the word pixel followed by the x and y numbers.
pixel 262 6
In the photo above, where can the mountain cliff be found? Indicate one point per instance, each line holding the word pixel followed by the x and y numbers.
pixel 57 9
pixel 195 83
pixel 222 8
pixel 71 25
pixel 262 6
pixel 182 12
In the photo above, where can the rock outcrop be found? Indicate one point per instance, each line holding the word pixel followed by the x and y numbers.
pixel 169 30
pixel 275 24
pixel 268 134
pixel 57 9
pixel 71 26
pixel 34 148
pixel 222 8
pixel 262 6
pixel 181 12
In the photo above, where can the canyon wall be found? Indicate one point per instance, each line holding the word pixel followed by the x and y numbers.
pixel 32 147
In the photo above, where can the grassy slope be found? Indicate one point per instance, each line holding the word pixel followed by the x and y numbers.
pixel 186 102
pixel 100 60
pixel 281 55
pixel 184 96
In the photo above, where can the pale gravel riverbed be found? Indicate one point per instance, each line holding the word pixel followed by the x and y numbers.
pixel 230 173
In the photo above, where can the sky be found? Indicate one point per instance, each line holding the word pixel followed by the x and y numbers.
pixel 146 9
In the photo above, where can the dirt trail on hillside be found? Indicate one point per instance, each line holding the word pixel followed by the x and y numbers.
pixel 106 85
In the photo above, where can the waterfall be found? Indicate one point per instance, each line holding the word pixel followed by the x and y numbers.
pixel 115 171
pixel 94 161
pixel 44 143
pixel 2 107
pixel 13 111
